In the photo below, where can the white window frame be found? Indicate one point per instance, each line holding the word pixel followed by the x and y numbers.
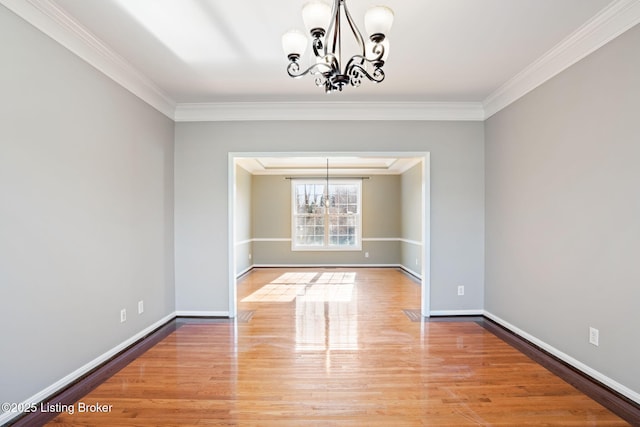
pixel 327 246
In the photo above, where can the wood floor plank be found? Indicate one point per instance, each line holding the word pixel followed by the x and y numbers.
pixel 335 350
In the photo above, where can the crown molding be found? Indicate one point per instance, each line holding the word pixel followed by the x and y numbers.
pixel 53 21
pixel 238 111
pixel 613 20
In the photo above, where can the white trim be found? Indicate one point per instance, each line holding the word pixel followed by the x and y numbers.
pixel 201 313
pixel 243 242
pixel 609 23
pixel 364 239
pixel 241 111
pixel 404 268
pixel 53 21
pixel 567 359
pixel 476 312
pixel 381 239
pixel 400 266
pixel 78 373
pixel 425 264
pixel 425 161
pixel 410 272
pixel 245 271
pixel 231 235
pixel 326 265
pixel 411 242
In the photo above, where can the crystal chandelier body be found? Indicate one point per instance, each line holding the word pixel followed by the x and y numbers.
pixel 325 25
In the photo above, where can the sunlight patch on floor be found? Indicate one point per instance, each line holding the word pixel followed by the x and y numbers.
pixel 274 292
pixel 307 287
pixel 296 277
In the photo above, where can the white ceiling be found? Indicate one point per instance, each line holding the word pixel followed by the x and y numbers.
pixel 441 50
pixel 469 58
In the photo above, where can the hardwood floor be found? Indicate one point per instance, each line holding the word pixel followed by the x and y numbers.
pixel 338 350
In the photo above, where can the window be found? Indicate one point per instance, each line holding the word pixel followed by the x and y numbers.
pixel 324 220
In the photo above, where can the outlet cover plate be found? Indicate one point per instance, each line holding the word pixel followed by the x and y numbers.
pixel 594 336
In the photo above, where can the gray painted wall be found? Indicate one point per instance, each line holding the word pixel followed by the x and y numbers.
pixel 457 197
pixel 382 207
pixel 86 209
pixel 411 219
pixel 271 208
pixel 563 211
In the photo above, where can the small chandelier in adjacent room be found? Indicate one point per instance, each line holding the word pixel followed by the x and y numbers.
pixel 325 27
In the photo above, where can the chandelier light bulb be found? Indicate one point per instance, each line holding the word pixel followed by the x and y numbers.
pixel 294 42
pixel 316 15
pixel 378 21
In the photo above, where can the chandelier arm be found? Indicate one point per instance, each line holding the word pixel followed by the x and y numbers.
pixel 361 61
pixel 293 69
pixel 318 47
pixel 356 71
pixel 377 62
pixel 378 50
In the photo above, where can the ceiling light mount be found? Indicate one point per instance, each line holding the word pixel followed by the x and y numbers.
pixel 324 24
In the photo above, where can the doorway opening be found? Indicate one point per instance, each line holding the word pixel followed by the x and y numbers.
pixel 351 163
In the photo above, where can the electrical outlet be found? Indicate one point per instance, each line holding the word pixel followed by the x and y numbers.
pixel 416 261
pixel 594 336
pixel 249 257
pixel 460 290
pixel 123 315
pixel 366 254
pixel 140 307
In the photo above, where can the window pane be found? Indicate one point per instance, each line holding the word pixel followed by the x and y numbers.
pixel 308 198
pixel 309 230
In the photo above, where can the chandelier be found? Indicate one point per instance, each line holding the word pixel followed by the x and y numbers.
pixel 324 24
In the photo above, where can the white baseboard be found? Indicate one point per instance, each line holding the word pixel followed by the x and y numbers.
pixel 196 313
pixel 245 271
pixel 477 312
pixel 614 385
pixel 75 375
pixel 410 271
pixel 325 265
pixel 406 269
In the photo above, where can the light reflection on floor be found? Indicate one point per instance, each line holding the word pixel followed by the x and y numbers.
pixel 327 318
pixel 326 307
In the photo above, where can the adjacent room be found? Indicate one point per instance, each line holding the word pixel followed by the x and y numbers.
pixel 374 207
pixel 417 213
